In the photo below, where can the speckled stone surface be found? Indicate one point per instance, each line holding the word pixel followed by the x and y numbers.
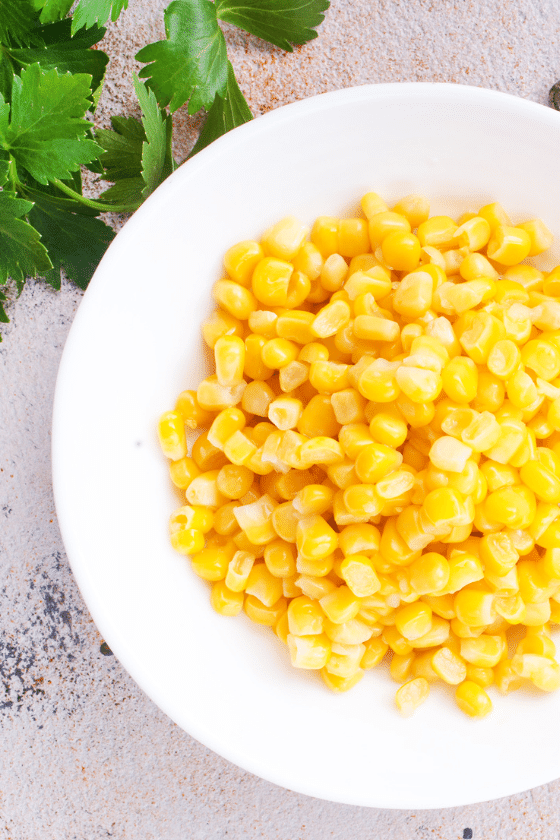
pixel 83 753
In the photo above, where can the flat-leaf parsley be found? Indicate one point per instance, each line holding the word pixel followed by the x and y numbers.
pixel 51 76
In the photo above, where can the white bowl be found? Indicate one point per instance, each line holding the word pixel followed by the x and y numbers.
pixel 135 344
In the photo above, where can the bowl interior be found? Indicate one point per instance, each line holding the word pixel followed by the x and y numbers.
pixel 136 344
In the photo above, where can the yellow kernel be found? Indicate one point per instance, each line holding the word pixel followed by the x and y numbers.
pixel 474 608
pixel 472 699
pixel 449 666
pixel 494 214
pixel 183 471
pixel 279 352
pixel 284 239
pixel 341 605
pixel 438 231
pixel 375 461
pixel 240 260
pixel 295 324
pixel 234 481
pixel 285 412
pixel 429 574
pixel 508 245
pixel 542 357
pixel 315 538
pixel 212 563
pixel 212 396
pixel 372 204
pixel 187 540
pixel 171 432
pixel 415 207
pixel 270 281
pixel 375 650
pixel 540 236
pixel 414 620
pixel 239 568
pixel 235 299
pixel 340 684
pixel 353 237
pixel 261 614
pixel 192 413
pixel 383 223
pixel 411 695
pixel 263 322
pixel 229 357
pixel 401 250
pixel 220 323
pixel 359 574
pixel 334 272
pixel 504 358
pixel 225 601
pixel 413 297
pixel 473 233
pixel 460 379
pixel 449 454
pixel 417 384
pixel 257 398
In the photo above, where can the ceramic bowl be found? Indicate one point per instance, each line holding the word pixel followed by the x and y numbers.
pixel 136 343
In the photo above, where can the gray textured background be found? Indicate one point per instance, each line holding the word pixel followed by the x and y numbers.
pixel 83 753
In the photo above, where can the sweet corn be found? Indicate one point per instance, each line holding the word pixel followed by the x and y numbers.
pixel 411 695
pixel 193 414
pixel 261 614
pixel 241 259
pixel 171 432
pixel 472 699
pixel 348 364
pixel 437 231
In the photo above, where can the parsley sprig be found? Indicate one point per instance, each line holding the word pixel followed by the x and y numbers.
pixel 51 77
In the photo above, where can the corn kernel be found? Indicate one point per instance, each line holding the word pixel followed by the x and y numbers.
pixel 449 454
pixel 261 614
pixel 359 574
pixel 411 695
pixel 193 415
pixel 240 261
pixel 449 666
pixel 508 245
pixel 284 239
pixel 183 471
pixel 540 236
pixel 375 460
pixel 414 620
pixel 171 432
pixel 472 699
pixel 474 608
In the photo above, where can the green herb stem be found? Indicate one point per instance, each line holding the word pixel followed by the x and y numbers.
pixel 94 203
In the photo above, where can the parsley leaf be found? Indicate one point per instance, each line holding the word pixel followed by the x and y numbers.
pixel 3 317
pixel 90 12
pixel 21 252
pixel 280 22
pixel 59 50
pixel 127 191
pixel 226 113
pixel 75 241
pixel 154 149
pixel 55 10
pixel 137 155
pixel 4 169
pixel 191 65
pixel 122 157
pixel 43 135
pixel 17 21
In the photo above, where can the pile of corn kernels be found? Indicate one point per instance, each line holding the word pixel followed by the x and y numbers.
pixel 378 479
